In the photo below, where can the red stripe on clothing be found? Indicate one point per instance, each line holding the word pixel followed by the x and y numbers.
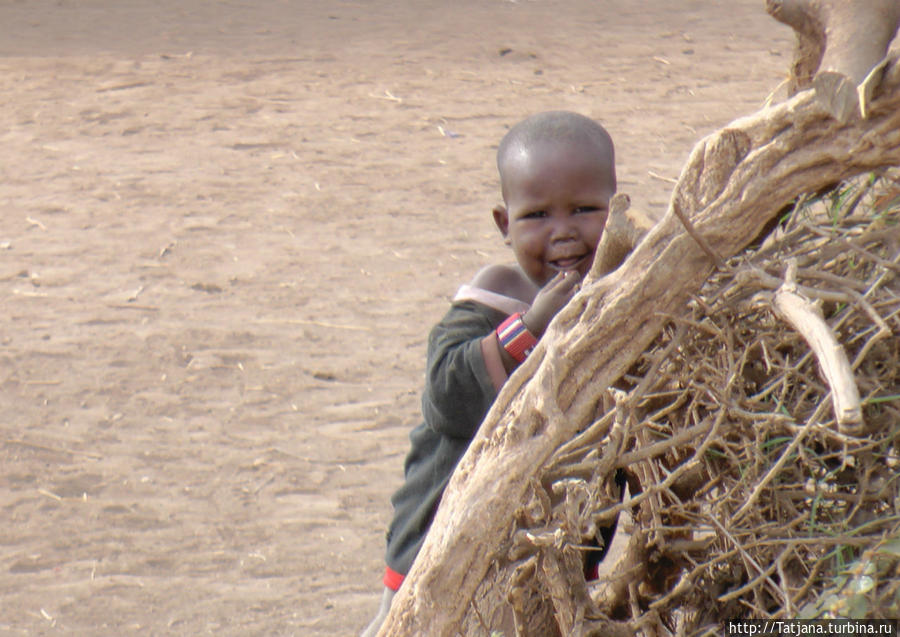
pixel 392 579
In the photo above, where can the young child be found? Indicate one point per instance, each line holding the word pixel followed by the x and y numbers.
pixel 557 176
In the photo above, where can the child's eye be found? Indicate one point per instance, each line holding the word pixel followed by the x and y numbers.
pixel 585 209
pixel 535 214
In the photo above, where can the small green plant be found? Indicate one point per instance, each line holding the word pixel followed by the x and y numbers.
pixel 864 584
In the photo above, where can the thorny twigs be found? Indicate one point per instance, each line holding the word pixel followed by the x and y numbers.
pixel 747 499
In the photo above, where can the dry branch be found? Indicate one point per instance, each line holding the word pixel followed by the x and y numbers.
pixel 849 38
pixel 839 44
pixel 807 319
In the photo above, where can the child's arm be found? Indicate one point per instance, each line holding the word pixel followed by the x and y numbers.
pixel 545 303
pixel 459 388
pixel 467 364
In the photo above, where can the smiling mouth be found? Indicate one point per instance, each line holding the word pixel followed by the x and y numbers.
pixel 567 263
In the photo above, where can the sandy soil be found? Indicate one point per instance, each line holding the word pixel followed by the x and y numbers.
pixel 226 230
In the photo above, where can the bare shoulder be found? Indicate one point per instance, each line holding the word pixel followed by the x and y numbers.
pixel 506 280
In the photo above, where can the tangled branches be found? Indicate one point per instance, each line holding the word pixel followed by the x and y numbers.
pixel 746 497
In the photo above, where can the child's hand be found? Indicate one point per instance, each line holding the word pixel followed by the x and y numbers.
pixel 550 300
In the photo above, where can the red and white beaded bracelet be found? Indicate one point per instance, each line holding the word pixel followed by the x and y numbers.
pixel 515 338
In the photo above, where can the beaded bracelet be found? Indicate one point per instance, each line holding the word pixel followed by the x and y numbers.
pixel 515 338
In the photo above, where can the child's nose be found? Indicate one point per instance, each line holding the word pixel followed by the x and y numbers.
pixel 563 230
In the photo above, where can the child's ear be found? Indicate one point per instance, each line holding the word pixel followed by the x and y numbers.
pixel 501 218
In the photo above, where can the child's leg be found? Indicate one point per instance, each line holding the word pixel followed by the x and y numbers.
pixel 375 625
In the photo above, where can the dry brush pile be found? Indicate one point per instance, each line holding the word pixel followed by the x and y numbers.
pixel 753 491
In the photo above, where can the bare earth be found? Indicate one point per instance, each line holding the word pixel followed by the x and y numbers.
pixel 226 230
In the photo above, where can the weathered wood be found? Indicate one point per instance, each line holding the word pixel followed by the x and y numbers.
pixel 625 227
pixel 844 37
pixel 732 184
pixel 806 317
pixel 838 44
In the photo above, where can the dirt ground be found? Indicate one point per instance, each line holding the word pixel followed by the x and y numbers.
pixel 227 227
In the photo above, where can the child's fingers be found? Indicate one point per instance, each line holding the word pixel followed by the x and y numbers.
pixel 560 280
pixel 556 280
pixel 552 297
pixel 570 280
pixel 565 287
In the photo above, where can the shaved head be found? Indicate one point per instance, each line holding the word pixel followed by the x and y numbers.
pixel 555 128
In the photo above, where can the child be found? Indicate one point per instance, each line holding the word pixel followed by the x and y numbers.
pixel 557 176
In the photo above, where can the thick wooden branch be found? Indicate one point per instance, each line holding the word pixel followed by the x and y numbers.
pixel 844 37
pixel 733 183
pixel 839 43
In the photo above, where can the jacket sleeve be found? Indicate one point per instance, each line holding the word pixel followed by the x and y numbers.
pixel 458 388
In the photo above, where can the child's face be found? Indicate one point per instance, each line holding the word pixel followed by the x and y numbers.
pixel 557 200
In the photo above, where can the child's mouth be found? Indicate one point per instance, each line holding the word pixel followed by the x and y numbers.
pixel 567 263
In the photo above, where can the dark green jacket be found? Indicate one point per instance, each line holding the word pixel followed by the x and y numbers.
pixel 458 394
